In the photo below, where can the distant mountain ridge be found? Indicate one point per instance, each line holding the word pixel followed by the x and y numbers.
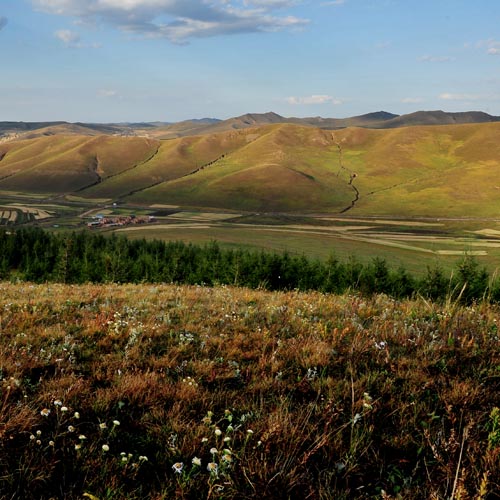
pixel 166 130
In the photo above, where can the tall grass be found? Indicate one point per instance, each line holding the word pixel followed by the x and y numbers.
pixel 164 391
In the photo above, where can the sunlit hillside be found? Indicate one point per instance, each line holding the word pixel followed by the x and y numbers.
pixel 433 171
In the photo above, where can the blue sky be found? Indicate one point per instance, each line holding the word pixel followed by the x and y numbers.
pixel 169 60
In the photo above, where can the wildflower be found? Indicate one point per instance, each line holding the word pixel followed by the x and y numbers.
pixel 124 459
pixel 123 454
pixel 71 428
pixel 218 432
pixel 204 440
pixel 38 433
pixel 76 414
pixel 249 432
pixel 227 439
pixel 105 447
pixel 196 461
pixel 116 422
pixel 230 428
pixel 32 437
pixel 64 409
pixel 77 446
pixel 57 402
pixel 82 437
pixel 45 412
pixel 356 418
pixel 177 467
pixel 143 458
pixel 103 426
pixel 38 442
pixel 212 468
pixel 51 443
pixel 227 458
pixel 214 451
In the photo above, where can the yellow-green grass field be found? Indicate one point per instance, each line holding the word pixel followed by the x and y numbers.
pixel 425 171
pixel 411 244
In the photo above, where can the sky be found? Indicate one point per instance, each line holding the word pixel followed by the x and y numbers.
pixel 171 60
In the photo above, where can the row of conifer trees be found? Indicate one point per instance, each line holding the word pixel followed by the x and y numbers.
pixel 30 254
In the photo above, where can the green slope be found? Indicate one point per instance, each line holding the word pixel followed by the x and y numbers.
pixel 440 171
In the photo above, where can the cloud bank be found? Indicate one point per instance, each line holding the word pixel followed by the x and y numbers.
pixel 449 96
pixel 180 20
pixel 313 99
pixel 435 59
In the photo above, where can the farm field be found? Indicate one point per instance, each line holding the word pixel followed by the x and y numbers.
pixel 411 243
pixel 157 392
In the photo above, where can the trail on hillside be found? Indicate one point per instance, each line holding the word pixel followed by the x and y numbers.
pixel 138 164
pixel 143 188
pixel 202 167
pixel 416 180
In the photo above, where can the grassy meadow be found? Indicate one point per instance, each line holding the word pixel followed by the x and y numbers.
pixel 412 244
pixel 159 392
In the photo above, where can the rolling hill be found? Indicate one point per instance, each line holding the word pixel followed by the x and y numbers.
pixel 163 130
pixel 439 170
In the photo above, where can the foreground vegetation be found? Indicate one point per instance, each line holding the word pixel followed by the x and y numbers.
pixel 165 391
pixel 34 255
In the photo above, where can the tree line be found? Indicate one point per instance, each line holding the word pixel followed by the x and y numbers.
pixel 31 254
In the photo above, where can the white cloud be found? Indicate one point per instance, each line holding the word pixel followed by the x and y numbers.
pixel 107 93
pixel 270 4
pixel 68 37
pixel 72 39
pixel 333 2
pixel 412 100
pixel 491 45
pixel 448 96
pixel 313 99
pixel 179 20
pixel 3 22
pixel 435 59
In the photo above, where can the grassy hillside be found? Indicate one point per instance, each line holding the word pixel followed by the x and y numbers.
pixel 159 392
pixel 65 164
pixel 438 171
pixel 279 168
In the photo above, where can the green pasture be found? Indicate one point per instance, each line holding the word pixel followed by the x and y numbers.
pixel 409 248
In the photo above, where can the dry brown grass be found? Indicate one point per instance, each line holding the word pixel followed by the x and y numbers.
pixel 302 395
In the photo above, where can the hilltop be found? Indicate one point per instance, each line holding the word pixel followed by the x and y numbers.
pixel 164 130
